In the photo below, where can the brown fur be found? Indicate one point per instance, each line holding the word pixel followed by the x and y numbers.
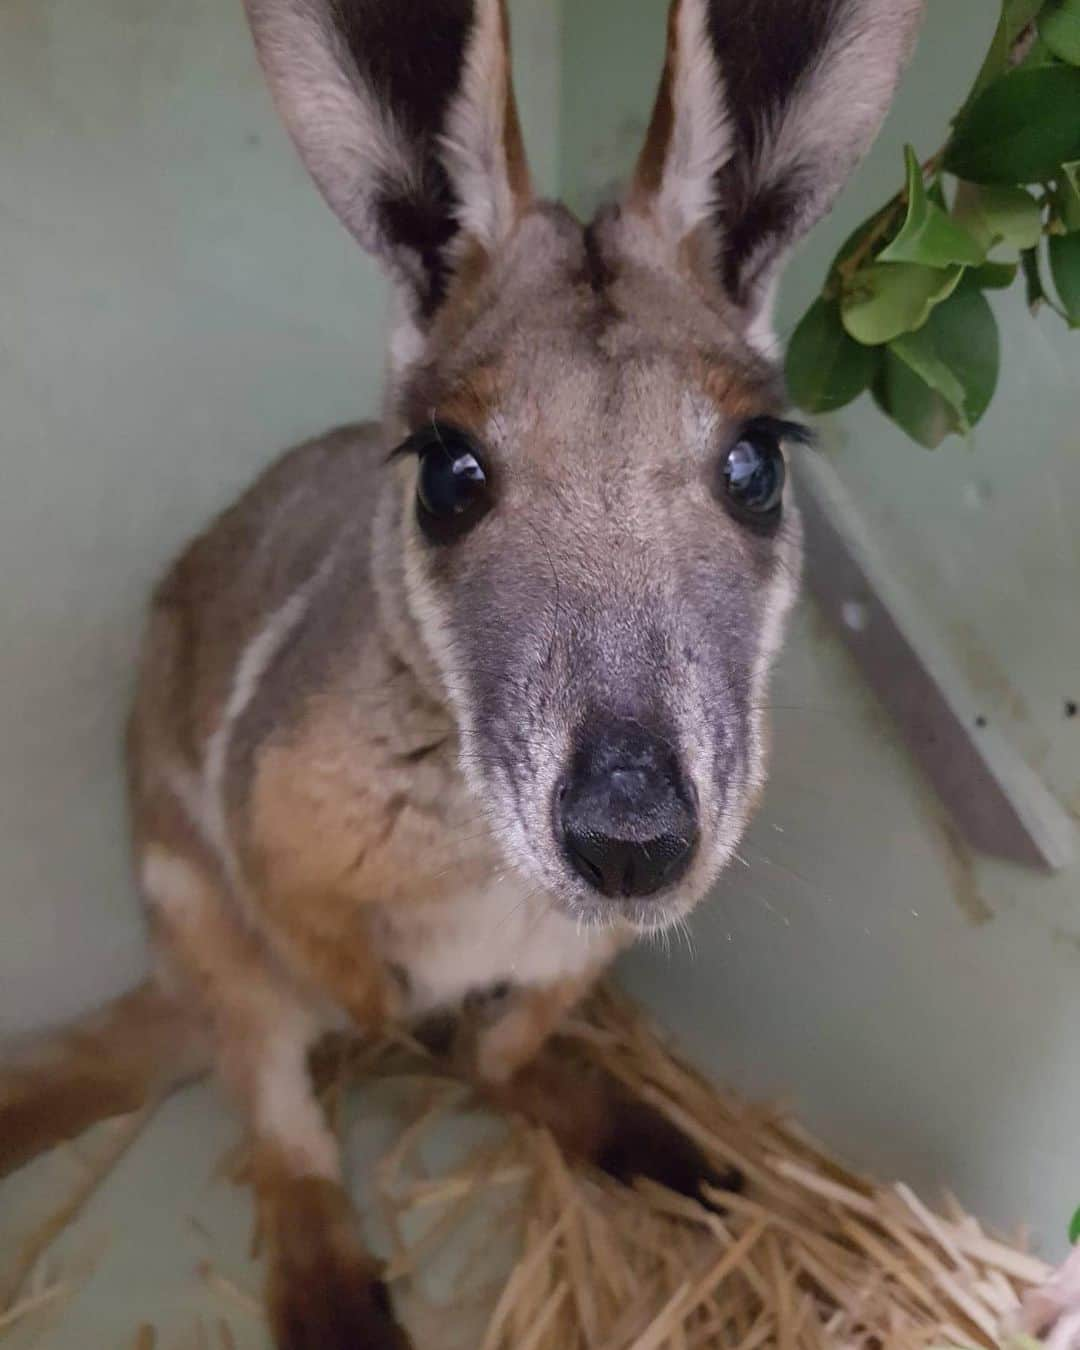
pixel 141 1045
pixel 653 156
pixel 323 1288
pixel 513 141
pixel 512 1042
pixel 594 1120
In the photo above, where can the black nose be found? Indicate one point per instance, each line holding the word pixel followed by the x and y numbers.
pixel 625 814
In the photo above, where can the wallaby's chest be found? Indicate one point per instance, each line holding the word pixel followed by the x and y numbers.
pixel 501 932
pixel 428 894
pixel 354 853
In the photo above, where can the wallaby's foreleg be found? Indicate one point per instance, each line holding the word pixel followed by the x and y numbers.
pixel 54 1086
pixel 324 1290
pixel 323 1286
pixel 592 1116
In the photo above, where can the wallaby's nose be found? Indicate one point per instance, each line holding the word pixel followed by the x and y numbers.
pixel 626 816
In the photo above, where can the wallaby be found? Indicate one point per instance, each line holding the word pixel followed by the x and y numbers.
pixel 468 700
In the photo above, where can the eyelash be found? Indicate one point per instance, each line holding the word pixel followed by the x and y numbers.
pixel 413 444
pixel 781 428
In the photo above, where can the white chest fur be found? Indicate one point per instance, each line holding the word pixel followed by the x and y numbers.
pixel 504 932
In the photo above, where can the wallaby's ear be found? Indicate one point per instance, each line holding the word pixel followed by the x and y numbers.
pixel 764 109
pixel 404 113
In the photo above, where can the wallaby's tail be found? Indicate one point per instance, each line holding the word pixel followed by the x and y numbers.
pixel 138 1047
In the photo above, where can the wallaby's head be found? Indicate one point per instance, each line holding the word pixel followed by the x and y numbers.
pixel 587 524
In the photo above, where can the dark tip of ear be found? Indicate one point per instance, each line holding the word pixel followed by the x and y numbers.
pixel 763 57
pixel 425 226
pixel 749 226
pixel 410 54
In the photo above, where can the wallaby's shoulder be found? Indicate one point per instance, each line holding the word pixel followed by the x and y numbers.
pixel 295 545
pixel 311 507
pixel 281 526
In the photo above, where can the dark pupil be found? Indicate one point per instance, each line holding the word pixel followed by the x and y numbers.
pixel 754 475
pixel 450 479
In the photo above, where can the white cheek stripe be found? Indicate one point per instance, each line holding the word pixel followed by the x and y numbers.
pixel 434 632
pixel 781 597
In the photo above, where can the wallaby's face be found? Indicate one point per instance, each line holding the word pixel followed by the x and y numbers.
pixel 600 588
pixel 587 514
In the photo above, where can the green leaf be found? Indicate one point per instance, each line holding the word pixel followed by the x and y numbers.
pixel 887 299
pixel 940 380
pixel 916 350
pixel 1059 28
pixel 1067 195
pixel 994 276
pixel 998 215
pixel 927 234
pixel 1015 17
pixel 957 352
pixel 1064 251
pixel 1074 1228
pixel 900 394
pixel 1020 128
pixel 825 367
pixel 964 333
pixel 936 193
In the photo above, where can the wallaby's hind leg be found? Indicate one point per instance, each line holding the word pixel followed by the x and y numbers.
pixel 56 1085
pixel 591 1115
pixel 323 1287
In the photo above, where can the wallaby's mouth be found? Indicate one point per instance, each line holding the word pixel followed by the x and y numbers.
pixel 624 814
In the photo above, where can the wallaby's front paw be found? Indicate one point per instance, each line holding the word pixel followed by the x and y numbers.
pixel 335 1307
pixel 643 1143
pixel 325 1291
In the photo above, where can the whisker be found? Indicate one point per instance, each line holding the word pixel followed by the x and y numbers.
pixel 806 881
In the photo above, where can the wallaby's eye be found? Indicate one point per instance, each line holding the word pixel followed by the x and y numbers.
pixel 752 475
pixel 452 487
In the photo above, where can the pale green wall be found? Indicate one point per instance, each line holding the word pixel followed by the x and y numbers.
pixel 839 966
pixel 176 303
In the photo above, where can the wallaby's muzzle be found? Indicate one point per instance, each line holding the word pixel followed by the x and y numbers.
pixel 625 816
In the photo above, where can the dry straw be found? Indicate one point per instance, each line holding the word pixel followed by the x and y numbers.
pixel 811 1256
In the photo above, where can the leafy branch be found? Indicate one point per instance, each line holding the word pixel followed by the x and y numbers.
pixel 903 311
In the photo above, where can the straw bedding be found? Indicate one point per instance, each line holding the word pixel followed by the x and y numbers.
pixel 811 1256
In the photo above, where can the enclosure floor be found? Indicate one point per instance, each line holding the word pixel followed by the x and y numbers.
pixel 160 1257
